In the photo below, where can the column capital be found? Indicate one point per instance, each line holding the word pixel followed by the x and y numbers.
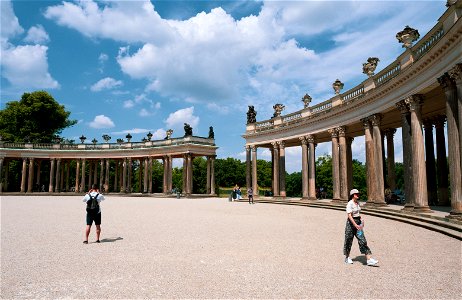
pixel 414 101
pixel 310 138
pixel 281 144
pixel 350 139
pixel 439 121
pixel 275 145
pixel 402 107
pixel 247 147
pixel 446 82
pixel 375 119
pixel 366 124
pixel 333 132
pixel 389 132
pixel 456 73
pixel 253 148
pixel 428 123
pixel 341 131
pixel 303 140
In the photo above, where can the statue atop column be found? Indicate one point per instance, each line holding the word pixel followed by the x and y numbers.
pixel 278 108
pixel 251 115
pixel 211 133
pixel 187 130
pixel 169 134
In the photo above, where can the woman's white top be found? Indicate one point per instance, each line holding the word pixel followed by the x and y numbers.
pixel 353 208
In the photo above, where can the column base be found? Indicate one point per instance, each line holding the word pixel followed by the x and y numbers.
pixel 408 207
pixel 380 204
pixel 335 201
pixel 425 209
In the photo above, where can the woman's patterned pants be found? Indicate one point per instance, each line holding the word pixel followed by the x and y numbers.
pixel 350 232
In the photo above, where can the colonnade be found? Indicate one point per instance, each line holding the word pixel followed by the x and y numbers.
pixel 97 171
pixel 425 176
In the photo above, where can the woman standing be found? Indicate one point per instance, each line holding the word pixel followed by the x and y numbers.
pixel 354 227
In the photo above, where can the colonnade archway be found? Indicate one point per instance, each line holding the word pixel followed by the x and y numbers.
pixel 56 168
pixel 419 92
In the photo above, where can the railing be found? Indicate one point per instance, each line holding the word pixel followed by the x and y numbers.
pixel 326 105
pixel 388 73
pixel 265 125
pixel 292 117
pixel 128 145
pixel 424 45
pixel 357 92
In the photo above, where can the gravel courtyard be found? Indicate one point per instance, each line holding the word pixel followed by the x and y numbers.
pixel 212 248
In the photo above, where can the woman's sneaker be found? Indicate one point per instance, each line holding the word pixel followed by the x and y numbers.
pixel 348 260
pixel 372 262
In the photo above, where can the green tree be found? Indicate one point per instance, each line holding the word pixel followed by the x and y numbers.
pixel 37 117
pixel 324 174
pixel 294 184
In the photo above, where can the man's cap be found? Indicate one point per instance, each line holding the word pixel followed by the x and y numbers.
pixel 354 191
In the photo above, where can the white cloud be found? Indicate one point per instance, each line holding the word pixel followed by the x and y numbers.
pixel 27 67
pixel 131 131
pixel 103 57
pixel 220 109
pixel 106 84
pixel 9 22
pixel 101 121
pixel 128 104
pixel 177 119
pixel 37 35
pixel 145 113
pixel 159 134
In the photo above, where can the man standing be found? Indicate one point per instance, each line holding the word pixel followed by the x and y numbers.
pixel 93 198
pixel 250 195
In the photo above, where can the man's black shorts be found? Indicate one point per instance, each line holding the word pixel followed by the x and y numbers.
pixel 93 217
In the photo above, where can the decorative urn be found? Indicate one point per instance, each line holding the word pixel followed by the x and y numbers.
pixel 337 86
pixel 408 36
pixel 370 66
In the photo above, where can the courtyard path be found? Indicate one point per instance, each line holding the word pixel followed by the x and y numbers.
pixel 212 248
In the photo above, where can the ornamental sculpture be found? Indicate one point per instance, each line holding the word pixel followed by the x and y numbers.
pixel 306 100
pixel 106 138
pixel 251 115
pixel 337 86
pixel 187 130
pixel 169 134
pixel 211 133
pixel 408 36
pixel 370 66
pixel 278 108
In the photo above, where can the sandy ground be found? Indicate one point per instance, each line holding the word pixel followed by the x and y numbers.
pixel 212 248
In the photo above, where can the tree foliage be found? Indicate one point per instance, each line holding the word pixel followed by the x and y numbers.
pixel 37 117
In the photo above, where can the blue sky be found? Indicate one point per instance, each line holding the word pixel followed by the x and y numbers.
pixel 139 66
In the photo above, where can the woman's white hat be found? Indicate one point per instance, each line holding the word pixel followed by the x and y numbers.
pixel 354 191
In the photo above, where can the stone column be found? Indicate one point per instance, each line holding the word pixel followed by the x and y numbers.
pixel 68 166
pixel 106 176
pixel 248 166
pixel 282 169
pixel 407 154
pixel 90 174
pixel 82 188
pixel 212 174
pixel 349 141
pixel 95 177
pixel 275 169
pixel 185 172
pixel 58 175
pixel 441 160
pixel 418 155
pixel 207 188
pixel 343 163
pixel 189 174
pixel 254 170
pixel 1 174
pixel 305 185
pixel 370 161
pixel 123 187
pixel 456 75
pixel 377 137
pixel 61 182
pixel 170 171
pixel 311 168
pixel 23 175
pixel 129 175
pixel 391 177
pixel 77 176
pixel 145 175
pixel 454 150
pixel 51 187
pixel 150 175
pixel 101 174
pixel 165 175
pixel 335 165
pixel 30 182
pixel 430 163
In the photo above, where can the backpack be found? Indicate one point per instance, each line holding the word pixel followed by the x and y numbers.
pixel 92 204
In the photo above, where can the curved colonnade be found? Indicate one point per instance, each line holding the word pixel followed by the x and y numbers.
pixel 92 164
pixel 422 88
